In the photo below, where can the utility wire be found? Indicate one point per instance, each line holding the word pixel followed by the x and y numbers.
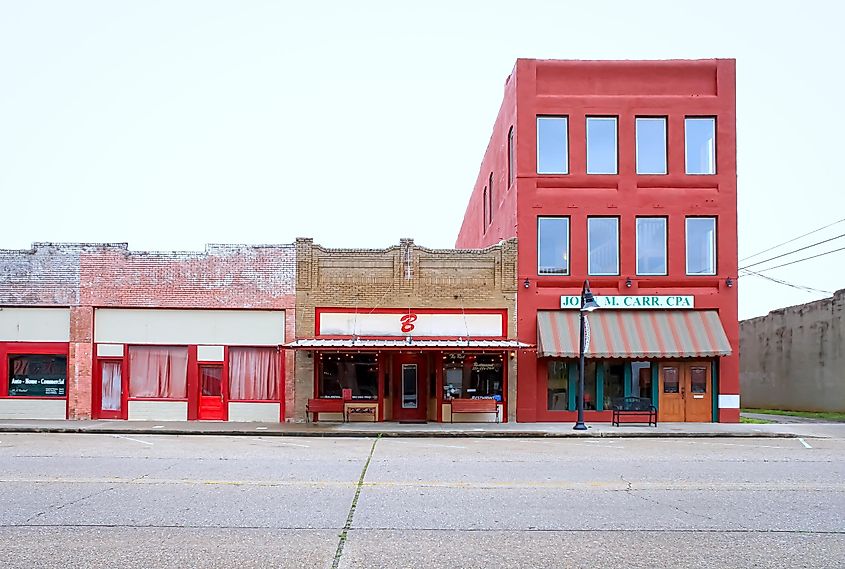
pixel 791 240
pixel 794 251
pixel 774 280
pixel 800 260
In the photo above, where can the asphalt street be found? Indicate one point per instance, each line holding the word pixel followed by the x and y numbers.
pixel 97 500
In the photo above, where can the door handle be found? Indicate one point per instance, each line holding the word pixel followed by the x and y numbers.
pixel 683 393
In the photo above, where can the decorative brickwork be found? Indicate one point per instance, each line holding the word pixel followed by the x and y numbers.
pixel 403 276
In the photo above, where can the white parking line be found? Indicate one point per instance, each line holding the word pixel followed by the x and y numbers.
pixel 803 442
pixel 131 439
pixel 293 444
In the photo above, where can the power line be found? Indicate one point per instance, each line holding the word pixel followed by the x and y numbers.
pixel 794 251
pixel 804 259
pixel 791 240
pixel 778 281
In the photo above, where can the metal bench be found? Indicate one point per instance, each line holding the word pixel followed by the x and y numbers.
pixel 640 408
pixel 474 406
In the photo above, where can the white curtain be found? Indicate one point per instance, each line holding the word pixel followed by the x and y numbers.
pixel 111 386
pixel 253 373
pixel 156 371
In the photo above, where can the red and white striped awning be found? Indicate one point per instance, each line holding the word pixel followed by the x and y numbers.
pixel 633 334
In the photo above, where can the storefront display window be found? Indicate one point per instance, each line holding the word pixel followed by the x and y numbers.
pixel 558 385
pixel 358 372
pixel 473 376
pixel 253 374
pixel 641 379
pixel 614 382
pixel 590 372
pixel 37 376
pixel 158 372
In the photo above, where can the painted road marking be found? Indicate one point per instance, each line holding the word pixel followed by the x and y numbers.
pixel 131 439
pixel 293 444
pixel 803 442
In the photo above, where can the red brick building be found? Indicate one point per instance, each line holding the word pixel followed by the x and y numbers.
pixel 623 173
pixel 100 331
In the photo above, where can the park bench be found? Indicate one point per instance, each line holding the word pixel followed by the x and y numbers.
pixel 639 408
pixel 474 406
pixel 317 406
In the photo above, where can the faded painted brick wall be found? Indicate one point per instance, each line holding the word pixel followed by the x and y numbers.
pixel 88 276
pixel 794 357
pixel 401 276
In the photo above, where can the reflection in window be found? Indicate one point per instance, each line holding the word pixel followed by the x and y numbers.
pixel 700 135
pixel 558 385
pixel 601 145
pixel 651 245
pixel 641 379
pixel 651 145
pixel 590 370
pixel 698 380
pixel 614 382
pixel 701 245
pixel 671 380
pixel 358 372
pixel 603 245
pixel 473 376
pixel 553 245
pixel 552 145
pixel 37 376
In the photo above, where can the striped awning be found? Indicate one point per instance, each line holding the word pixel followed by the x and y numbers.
pixel 633 334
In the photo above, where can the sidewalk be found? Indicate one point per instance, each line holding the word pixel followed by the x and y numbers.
pixel 477 430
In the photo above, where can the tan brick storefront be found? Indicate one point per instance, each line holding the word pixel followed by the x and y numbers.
pixel 359 311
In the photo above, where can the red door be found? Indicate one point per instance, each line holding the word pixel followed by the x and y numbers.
pixel 112 390
pixel 411 401
pixel 212 405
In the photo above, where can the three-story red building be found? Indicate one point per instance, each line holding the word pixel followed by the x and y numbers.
pixel 622 173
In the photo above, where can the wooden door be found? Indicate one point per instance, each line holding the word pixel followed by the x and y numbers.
pixel 671 401
pixel 699 398
pixel 212 404
pixel 411 393
pixel 685 392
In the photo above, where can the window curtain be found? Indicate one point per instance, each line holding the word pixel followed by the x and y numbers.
pixel 111 386
pixel 158 372
pixel 253 373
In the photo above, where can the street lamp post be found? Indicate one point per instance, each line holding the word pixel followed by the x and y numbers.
pixel 588 304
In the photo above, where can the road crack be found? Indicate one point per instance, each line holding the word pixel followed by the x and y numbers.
pixel 349 517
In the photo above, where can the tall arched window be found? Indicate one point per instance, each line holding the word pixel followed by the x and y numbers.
pixel 486 212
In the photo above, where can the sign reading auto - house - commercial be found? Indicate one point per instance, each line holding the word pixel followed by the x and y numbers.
pixel 638 302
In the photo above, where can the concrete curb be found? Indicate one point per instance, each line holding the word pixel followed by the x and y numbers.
pixel 404 433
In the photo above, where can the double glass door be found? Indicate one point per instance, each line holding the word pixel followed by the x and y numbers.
pixel 685 392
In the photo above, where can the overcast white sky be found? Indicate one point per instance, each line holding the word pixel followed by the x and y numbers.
pixel 172 124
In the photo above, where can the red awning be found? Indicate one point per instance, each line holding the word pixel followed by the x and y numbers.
pixel 633 334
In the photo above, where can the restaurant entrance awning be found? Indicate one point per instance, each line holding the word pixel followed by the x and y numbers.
pixel 633 334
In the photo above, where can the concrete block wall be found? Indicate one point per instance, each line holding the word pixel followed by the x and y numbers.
pixel 794 357
pixel 89 276
pixel 401 276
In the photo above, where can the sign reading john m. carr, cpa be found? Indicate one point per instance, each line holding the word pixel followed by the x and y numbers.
pixel 639 302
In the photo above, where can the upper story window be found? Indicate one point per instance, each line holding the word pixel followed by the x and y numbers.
pixel 490 200
pixel 601 145
pixel 603 245
pixel 511 159
pixel 552 145
pixel 651 145
pixel 700 144
pixel 553 246
pixel 486 206
pixel 701 245
pixel 651 246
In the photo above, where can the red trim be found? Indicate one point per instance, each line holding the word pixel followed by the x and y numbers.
pixel 97 387
pixel 157 399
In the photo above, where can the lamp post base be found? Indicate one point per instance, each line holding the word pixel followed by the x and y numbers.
pixel 579 427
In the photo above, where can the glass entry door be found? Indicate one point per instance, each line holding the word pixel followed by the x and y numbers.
pixel 685 392
pixel 411 401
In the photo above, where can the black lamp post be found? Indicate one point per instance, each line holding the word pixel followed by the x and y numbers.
pixel 588 304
